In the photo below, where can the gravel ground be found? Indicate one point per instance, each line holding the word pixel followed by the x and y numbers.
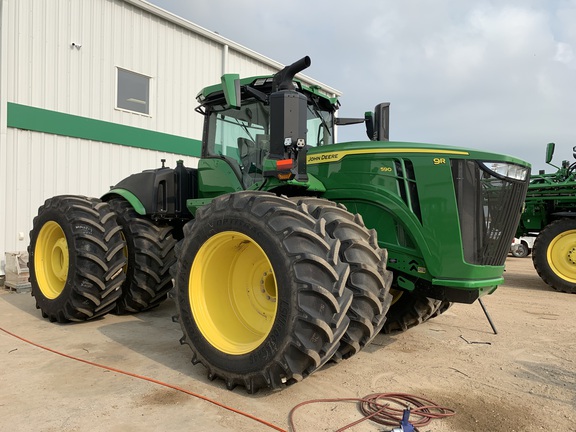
pixel 521 379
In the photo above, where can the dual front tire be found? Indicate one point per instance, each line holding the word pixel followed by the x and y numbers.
pixel 369 280
pixel 261 291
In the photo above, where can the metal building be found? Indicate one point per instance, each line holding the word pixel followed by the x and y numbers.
pixel 92 91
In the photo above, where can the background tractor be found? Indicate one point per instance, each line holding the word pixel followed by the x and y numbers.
pixel 287 250
pixel 550 215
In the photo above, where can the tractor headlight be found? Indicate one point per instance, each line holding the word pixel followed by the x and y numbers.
pixel 509 170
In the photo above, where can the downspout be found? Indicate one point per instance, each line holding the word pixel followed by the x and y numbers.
pixel 224 59
pixel 4 29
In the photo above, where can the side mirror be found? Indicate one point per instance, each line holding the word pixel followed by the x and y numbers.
pixel 382 122
pixel 549 152
pixel 231 87
pixel 369 120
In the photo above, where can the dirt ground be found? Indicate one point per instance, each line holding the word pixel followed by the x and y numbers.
pixel 521 379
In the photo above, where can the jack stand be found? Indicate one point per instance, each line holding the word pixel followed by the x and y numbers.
pixel 488 316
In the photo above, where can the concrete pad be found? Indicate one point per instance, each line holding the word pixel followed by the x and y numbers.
pixel 522 379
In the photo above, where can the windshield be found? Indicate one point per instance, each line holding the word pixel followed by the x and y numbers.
pixel 231 130
pixel 244 134
pixel 320 127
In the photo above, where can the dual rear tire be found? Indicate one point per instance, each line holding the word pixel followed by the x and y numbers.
pixel 76 259
pixel 150 254
pixel 89 257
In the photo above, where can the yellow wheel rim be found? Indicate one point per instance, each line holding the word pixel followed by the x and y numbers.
pixel 561 255
pixel 125 252
pixel 396 294
pixel 51 260
pixel 233 293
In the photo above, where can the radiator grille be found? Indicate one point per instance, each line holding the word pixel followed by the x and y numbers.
pixel 489 209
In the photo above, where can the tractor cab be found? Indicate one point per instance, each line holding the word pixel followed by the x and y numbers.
pixel 241 136
pixel 262 128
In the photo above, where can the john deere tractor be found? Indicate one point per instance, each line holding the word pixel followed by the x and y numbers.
pixel 550 215
pixel 286 249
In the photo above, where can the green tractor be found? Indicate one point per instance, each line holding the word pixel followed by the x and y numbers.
pixel 286 249
pixel 550 215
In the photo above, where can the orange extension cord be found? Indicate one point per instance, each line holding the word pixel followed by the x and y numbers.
pixel 152 380
pixel 383 414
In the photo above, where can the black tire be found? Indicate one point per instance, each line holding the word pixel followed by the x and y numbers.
pixel 408 311
pixel 150 253
pixel 443 307
pixel 554 255
pixel 520 250
pixel 75 259
pixel 369 280
pixel 260 291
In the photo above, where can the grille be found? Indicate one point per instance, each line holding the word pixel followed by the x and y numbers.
pixel 489 208
pixel 407 186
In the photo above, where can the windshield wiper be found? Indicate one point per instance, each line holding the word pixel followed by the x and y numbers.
pixel 317 111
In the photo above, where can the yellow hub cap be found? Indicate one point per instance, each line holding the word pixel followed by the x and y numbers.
pixel 233 293
pixel 561 255
pixel 51 260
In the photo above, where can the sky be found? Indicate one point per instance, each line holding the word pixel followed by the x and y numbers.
pixel 493 75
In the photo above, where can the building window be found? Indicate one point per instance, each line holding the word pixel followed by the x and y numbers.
pixel 133 92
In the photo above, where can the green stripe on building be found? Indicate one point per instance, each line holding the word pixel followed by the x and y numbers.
pixel 57 123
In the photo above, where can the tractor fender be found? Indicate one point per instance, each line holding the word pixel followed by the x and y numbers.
pixel 128 196
pixel 159 193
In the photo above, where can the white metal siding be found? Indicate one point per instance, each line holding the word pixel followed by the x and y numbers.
pixel 40 165
pixel 245 66
pixel 40 67
pixel 46 71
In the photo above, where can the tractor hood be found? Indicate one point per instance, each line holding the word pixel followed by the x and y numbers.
pixel 337 152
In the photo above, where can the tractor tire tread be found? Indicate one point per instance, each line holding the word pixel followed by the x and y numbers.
pixel 369 281
pixel 150 255
pixel 540 255
pixel 95 253
pixel 409 311
pixel 312 257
